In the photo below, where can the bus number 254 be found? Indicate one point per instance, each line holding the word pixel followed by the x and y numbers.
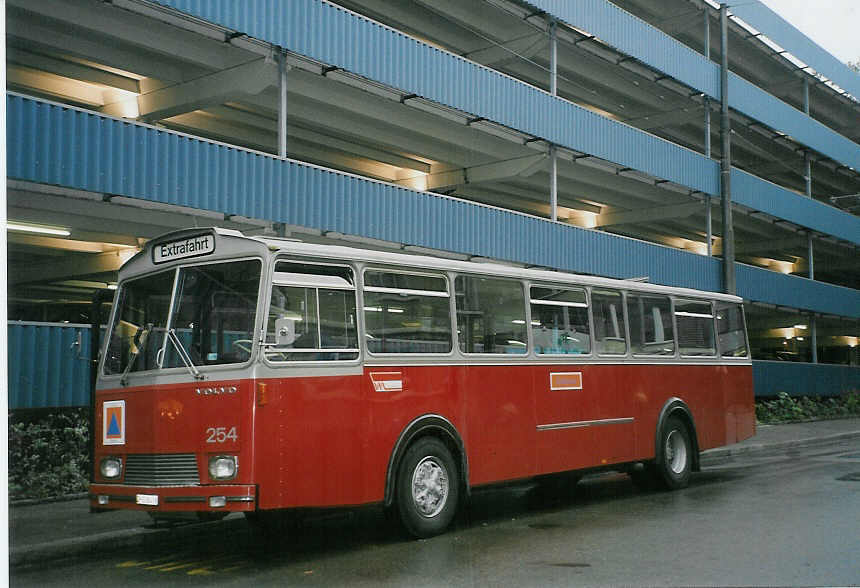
pixel 221 434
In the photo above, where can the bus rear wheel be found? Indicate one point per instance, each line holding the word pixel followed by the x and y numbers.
pixel 428 488
pixel 676 455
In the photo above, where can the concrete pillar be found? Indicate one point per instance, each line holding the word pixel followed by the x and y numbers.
pixel 709 232
pixel 813 338
pixel 282 103
pixel 807 164
pixel 553 57
pixel 553 182
pixel 729 284
pixel 706 103
pixel 553 88
pixel 706 100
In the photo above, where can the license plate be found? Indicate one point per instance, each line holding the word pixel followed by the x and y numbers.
pixel 147 499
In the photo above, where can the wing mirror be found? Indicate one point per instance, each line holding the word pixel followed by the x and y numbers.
pixel 285 331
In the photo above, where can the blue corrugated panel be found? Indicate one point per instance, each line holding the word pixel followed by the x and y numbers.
pixel 635 37
pixel 804 379
pixel 755 283
pixel 66 146
pixel 758 104
pixel 763 19
pixel 46 369
pixel 79 149
pixel 765 196
pixel 330 34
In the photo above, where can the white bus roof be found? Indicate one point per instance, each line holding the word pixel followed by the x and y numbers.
pixel 349 253
pixel 142 262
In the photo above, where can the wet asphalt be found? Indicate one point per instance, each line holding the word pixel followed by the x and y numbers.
pixel 788 518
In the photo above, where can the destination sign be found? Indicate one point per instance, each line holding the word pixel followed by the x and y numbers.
pixel 191 247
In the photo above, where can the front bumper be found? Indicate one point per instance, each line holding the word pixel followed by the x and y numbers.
pixel 237 498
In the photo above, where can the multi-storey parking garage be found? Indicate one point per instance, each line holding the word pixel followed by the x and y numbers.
pixel 675 141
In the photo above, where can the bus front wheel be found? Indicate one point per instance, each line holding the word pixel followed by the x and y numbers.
pixel 427 488
pixel 676 457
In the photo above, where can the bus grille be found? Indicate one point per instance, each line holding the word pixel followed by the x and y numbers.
pixel 175 469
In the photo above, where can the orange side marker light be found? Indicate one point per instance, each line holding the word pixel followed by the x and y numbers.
pixel 262 395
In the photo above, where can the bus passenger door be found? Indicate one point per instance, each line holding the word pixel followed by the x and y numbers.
pixel 564 404
pixel 310 428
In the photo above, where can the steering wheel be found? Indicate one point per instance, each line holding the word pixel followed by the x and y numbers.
pixel 243 344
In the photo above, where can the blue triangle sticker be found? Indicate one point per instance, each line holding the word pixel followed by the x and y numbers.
pixel 113 429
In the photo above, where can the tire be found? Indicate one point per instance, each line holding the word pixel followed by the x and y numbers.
pixel 428 488
pixel 644 475
pixel 675 462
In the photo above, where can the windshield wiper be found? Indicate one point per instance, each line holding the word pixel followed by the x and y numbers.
pixel 183 355
pixel 140 339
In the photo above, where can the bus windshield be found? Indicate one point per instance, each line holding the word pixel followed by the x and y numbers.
pixel 189 316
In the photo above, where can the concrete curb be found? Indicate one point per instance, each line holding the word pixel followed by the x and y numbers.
pixel 712 456
pixel 36 501
pixel 67 548
pixel 107 542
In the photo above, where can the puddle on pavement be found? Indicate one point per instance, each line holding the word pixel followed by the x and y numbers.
pixel 838 457
pixel 570 565
pixel 544 526
pixel 562 564
pixel 852 477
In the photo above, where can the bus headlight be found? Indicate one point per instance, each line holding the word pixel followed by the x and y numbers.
pixel 223 467
pixel 111 467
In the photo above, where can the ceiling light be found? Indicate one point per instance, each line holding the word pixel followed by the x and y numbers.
pixel 39 229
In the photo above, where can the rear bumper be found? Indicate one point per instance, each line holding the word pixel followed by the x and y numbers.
pixel 237 498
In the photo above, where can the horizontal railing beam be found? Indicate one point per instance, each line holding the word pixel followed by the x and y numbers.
pixel 75 148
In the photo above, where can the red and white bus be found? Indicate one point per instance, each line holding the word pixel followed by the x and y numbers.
pixel 260 374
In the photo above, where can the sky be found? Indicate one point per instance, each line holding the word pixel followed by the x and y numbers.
pixel 832 24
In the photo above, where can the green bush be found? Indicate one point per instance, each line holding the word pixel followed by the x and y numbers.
pixel 48 453
pixel 786 409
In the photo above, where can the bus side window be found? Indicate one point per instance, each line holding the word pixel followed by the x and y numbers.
pixel 559 321
pixel 609 330
pixel 695 328
pixel 491 315
pixel 406 312
pixel 311 314
pixel 730 330
pixel 651 331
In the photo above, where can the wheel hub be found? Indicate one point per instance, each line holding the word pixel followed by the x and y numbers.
pixel 429 487
pixel 676 452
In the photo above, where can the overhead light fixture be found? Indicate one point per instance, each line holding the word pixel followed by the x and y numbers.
pixel 38 229
pixel 88 284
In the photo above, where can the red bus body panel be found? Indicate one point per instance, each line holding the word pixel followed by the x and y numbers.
pixel 321 441
pixel 176 419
